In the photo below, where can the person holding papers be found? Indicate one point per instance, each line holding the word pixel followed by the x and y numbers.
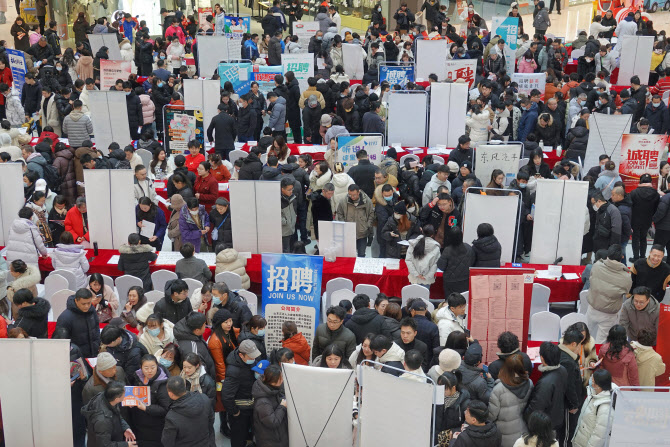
pixel 151 223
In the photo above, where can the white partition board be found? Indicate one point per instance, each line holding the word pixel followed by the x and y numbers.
pixel 211 51
pixel 380 418
pixel 605 133
pixel 243 215
pixel 11 197
pixel 638 50
pixel 408 129
pixel 339 236
pixel 109 115
pixel 640 418
pixel 35 390
pixel 352 60
pixel 447 120
pixel 560 213
pixel 203 94
pixel 268 220
pixel 325 421
pixel 99 212
pixel 500 211
pixel 430 58
pixel 97 41
pixel 122 205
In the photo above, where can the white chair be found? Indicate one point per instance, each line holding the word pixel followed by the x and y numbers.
pixel 52 284
pixel 540 299
pixel 430 307
pixel 583 301
pixel 154 296
pixel 232 280
pixel 332 286
pixel 71 279
pixel 107 280
pixel 160 277
pixel 264 158
pixel 523 162
pixel 369 290
pixel 545 326
pixel 666 297
pixel 193 285
pixel 123 284
pixel 342 294
pixel 146 157
pixel 437 159
pixel 251 299
pixel 570 319
pixel 414 291
pixel 59 302
pixel 233 156
pixel 409 157
pixel 466 295
pixel 576 54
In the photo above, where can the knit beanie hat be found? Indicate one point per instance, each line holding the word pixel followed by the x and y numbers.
pixel 105 361
pixel 449 360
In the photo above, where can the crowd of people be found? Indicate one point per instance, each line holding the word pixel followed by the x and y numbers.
pixel 204 353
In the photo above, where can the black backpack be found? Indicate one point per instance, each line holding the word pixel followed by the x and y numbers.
pixel 52 178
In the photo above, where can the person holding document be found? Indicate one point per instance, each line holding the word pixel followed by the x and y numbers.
pixel 151 223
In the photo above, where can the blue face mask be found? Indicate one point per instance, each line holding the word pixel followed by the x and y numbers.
pixel 522 185
pixel 154 332
pixel 162 58
pixel 216 300
pixel 160 85
pixel 257 376
pixel 655 105
pixel 388 199
pixel 165 362
pixel 250 362
pixel 261 332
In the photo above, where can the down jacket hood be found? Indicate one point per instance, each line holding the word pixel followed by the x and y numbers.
pixel 394 354
pixel 72 307
pixel 520 391
pixel 22 226
pixel 132 249
pixel 39 310
pixel 364 316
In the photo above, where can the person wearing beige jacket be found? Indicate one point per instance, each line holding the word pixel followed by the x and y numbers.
pixel 649 362
pixel 229 260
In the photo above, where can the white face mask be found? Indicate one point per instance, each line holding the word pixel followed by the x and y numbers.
pixel 397 216
pixel 658 51
pixel 588 59
pixel 411 209
pixel 595 207
pixel 194 213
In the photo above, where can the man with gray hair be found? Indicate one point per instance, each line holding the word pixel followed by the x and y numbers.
pixel 322 206
pixel 576 105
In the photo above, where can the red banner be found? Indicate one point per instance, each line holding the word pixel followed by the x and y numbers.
pixel 640 154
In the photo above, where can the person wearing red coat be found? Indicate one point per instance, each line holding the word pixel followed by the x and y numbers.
pixel 206 187
pixel 76 222
pixel 175 30
pixel 296 342
pixel 194 157
pixel 5 78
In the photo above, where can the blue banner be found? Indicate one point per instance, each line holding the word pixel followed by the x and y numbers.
pixel 239 74
pixel 508 29
pixel 291 292
pixel 17 64
pixel 396 74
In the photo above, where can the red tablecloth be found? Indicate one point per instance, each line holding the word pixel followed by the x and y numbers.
pixel 536 374
pixel 562 290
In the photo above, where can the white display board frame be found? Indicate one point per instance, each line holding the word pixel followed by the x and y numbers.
pixel 505 157
pixel 430 58
pixel 35 390
pixel 558 229
pixel 97 41
pixel 256 220
pixel 447 120
pixel 605 136
pixel 502 212
pixel 638 51
pixel 640 416
pixel 11 197
pixel 211 51
pixel 109 116
pixel 340 236
pixel 352 60
pixel 407 118
pixel 203 94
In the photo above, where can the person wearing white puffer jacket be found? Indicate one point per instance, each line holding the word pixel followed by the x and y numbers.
pixel 341 180
pixel 71 257
pixel 593 420
pixel 229 260
pixel 24 240
pixel 6 146
pixel 175 52
pixel 450 316
pixel 479 122
pixel 127 53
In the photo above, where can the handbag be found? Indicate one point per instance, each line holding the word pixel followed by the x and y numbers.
pixel 105 314
pixel 444 437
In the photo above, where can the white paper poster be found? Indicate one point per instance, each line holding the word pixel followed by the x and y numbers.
pixel 302 66
pixel 497 156
pixel 530 81
pixel 370 266
pixel 305 31
pixel 461 69
pixel 110 71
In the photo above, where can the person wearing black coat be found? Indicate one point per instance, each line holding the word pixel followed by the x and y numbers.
pixel 145 57
pixel 81 321
pixel 486 247
pixel 321 208
pixel 407 340
pixel 410 178
pixel 270 415
pixel 575 393
pixel 451 417
pixel 33 313
pixel 624 204
pixel 548 131
pixel 106 426
pixel 363 173
pixel 31 95
pixel 148 421
pixel 236 392
pixel 391 236
pixel 42 51
pixel 160 97
pixel 384 210
pixel 462 152
pixel 188 335
pixel 441 221
pixel 246 121
pixel 311 118
pixel 221 224
pixel 180 160
pixel 223 125
pixel 455 263
pixel 252 168
pixel 576 141
pixel 185 422
pixel 134 260
pixel 645 200
pixel 232 302
pixel 586 64
pixel 124 346
pixel 365 320
pixel 134 107
pixel 548 395
pixel 175 305
pixel 427 331
pixel 292 107
pixel 63 104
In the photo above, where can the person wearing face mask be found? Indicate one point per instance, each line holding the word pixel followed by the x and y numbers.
pixel 594 417
pixel 175 305
pixel 188 335
pixel 270 418
pixel 586 64
pixel 168 357
pixel 294 12
pixel 157 333
pixel 655 113
pixel 254 330
pixel 294 342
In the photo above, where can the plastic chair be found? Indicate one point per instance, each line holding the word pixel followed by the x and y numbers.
pixel 576 54
pixel 154 296
pixel 160 277
pixel 540 299
pixel 146 156
pixel 123 284
pixel 264 158
pixel 108 280
pixel 545 326
pixel 570 319
pixel 369 290
pixel 193 285
pixel 233 156
pixel 437 159
pixel 59 302
pixel 71 279
pixel 251 299
pixel 523 162
pixel 409 157
pixel 232 280
pixel 52 284
pixel 583 301
pixel 430 307
pixel 414 291
pixel 342 294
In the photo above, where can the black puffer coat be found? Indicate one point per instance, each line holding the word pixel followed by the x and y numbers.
pixel 270 418
pixel 170 310
pixel 251 169
pixel 454 415
pixel 548 396
pixel 487 252
pixel 128 353
pixel 34 319
pixel 393 250
pixel 237 386
pixel 191 343
pixel 259 340
pixel 134 260
pixel 134 107
pixel 238 307
pixel 577 140
pixel 365 321
pixel 411 179
pixel 83 327
pixel 105 423
pixel 64 164
pixel 186 424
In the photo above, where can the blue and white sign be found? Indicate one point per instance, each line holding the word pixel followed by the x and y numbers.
pixel 239 74
pixel 396 74
pixel 291 292
pixel 17 63
pixel 347 146
pixel 508 29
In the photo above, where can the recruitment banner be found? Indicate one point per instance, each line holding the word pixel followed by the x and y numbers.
pixel 239 74
pixel 110 71
pixel 508 29
pixel 234 28
pixel 462 69
pixel 347 146
pixel 396 74
pixel 291 292
pixel 663 342
pixel 640 154
pixel 17 64
pixel 302 66
pixel 182 127
pixel 265 77
pixel 530 81
pixel 305 31
pixel 203 13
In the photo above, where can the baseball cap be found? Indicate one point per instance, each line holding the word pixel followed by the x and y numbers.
pixel 418 305
pixel 260 366
pixel 248 347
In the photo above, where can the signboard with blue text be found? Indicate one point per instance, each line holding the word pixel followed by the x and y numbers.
pixel 508 30
pixel 265 76
pixel 291 292
pixel 348 146
pixel 396 74
pixel 239 74
pixel 17 64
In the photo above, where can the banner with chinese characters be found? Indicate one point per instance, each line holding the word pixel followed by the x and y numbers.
pixel 17 64
pixel 302 66
pixel 239 74
pixel 530 81
pixel 508 29
pixel 349 145
pixel 203 13
pixel 110 71
pixel 265 77
pixel 305 31
pixel 182 127
pixel 640 154
pixel 291 292
pixel 462 69
pixel 497 156
pixel 396 74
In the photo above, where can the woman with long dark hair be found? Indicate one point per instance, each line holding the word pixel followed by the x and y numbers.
pixel 136 299
pixel 497 182
pixel 422 255
pixel 254 330
pixel 618 357
pixel 399 227
pixel 332 357
pixel 104 301
pixel 363 352
pixel 221 343
pixel 587 352
pixel 540 432
pixel 160 166
pixel 450 413
pixel 148 420
pixel 280 149
pixel 147 211
pixel 270 416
